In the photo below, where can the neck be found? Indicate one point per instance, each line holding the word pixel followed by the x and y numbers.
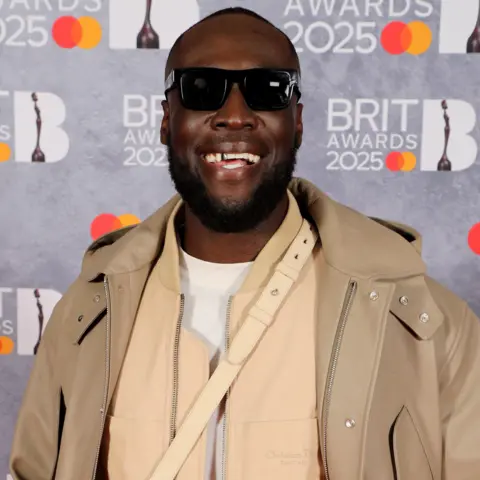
pixel 205 244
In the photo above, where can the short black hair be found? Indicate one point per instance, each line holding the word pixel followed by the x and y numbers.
pixel 229 11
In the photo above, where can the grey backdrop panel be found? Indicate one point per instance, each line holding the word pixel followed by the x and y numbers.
pixel 100 109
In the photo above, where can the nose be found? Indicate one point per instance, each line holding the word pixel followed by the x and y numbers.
pixel 235 114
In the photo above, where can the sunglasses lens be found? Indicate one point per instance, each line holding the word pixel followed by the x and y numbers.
pixel 268 89
pixel 202 89
pixel 264 89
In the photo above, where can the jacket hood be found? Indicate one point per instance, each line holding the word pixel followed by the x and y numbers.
pixel 353 243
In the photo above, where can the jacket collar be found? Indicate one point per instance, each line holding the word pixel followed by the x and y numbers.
pixel 168 263
pixel 352 243
pixel 358 245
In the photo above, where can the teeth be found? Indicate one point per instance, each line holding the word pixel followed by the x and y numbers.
pixel 233 166
pixel 219 157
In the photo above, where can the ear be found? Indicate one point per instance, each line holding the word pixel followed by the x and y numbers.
pixel 165 126
pixel 298 125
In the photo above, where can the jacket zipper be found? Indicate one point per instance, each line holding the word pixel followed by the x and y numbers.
pixel 173 418
pixel 352 287
pixel 175 377
pixel 225 416
pixel 107 377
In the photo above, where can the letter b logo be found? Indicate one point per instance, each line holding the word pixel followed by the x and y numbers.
pixel 461 148
pixel 52 139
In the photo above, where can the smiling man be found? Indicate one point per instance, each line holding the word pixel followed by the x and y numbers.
pixel 251 328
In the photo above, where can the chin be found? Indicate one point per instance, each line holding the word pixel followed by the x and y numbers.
pixel 231 206
pixel 234 198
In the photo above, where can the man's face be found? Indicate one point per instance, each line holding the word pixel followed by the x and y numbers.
pixel 224 199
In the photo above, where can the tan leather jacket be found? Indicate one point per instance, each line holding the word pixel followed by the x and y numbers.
pixel 397 359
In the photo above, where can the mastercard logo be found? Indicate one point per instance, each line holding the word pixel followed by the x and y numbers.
pixel 5 152
pixel 6 345
pixel 414 38
pixel 474 239
pixel 83 32
pixel 401 161
pixel 106 223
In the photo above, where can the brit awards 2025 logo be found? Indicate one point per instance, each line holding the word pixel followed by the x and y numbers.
pixel 142 116
pixel 24 314
pixel 34 23
pixel 150 24
pixel 397 26
pixel 359 26
pixel 460 26
pixel 367 134
pixel 33 130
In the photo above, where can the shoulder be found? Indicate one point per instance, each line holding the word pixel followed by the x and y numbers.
pixel 460 322
pixel 451 304
pixel 109 239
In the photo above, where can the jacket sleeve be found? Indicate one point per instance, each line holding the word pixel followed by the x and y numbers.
pixel 35 442
pixel 460 403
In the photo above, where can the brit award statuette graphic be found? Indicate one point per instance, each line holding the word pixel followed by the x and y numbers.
pixel 37 156
pixel 444 165
pixel 40 320
pixel 148 37
pixel 473 43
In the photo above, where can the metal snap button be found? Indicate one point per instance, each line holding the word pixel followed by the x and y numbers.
pixel 424 318
pixel 96 298
pixel 80 318
pixel 350 423
pixel 373 296
pixel 404 300
pixel 274 292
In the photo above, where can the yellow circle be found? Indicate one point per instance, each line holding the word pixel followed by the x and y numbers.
pixel 5 152
pixel 6 345
pixel 128 219
pixel 409 161
pixel 421 38
pixel 91 32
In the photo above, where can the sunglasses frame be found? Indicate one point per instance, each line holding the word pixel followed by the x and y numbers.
pixel 174 80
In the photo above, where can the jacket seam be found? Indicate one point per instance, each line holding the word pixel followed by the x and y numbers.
pixel 457 340
pixel 373 379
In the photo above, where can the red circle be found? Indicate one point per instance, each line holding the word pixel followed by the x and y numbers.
pixel 394 161
pixel 395 38
pixel 103 224
pixel 67 32
pixel 474 238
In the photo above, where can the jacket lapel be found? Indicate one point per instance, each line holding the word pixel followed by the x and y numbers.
pixel 125 292
pixel 385 267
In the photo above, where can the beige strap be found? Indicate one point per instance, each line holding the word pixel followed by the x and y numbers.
pixel 259 318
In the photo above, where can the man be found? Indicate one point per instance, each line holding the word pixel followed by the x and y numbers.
pixel 368 368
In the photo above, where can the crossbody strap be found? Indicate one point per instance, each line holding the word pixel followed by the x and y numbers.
pixel 259 318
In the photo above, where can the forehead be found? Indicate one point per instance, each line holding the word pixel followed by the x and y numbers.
pixel 234 42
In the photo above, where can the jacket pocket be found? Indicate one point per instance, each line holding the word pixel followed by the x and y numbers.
pixel 409 458
pixel 281 450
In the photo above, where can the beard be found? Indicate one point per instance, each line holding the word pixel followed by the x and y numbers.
pixel 229 215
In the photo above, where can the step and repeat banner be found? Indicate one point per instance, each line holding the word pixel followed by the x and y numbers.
pixel 392 96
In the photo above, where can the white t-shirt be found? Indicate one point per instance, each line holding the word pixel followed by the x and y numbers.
pixel 207 288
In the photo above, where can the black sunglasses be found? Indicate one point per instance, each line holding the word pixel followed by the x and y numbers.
pixel 206 88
